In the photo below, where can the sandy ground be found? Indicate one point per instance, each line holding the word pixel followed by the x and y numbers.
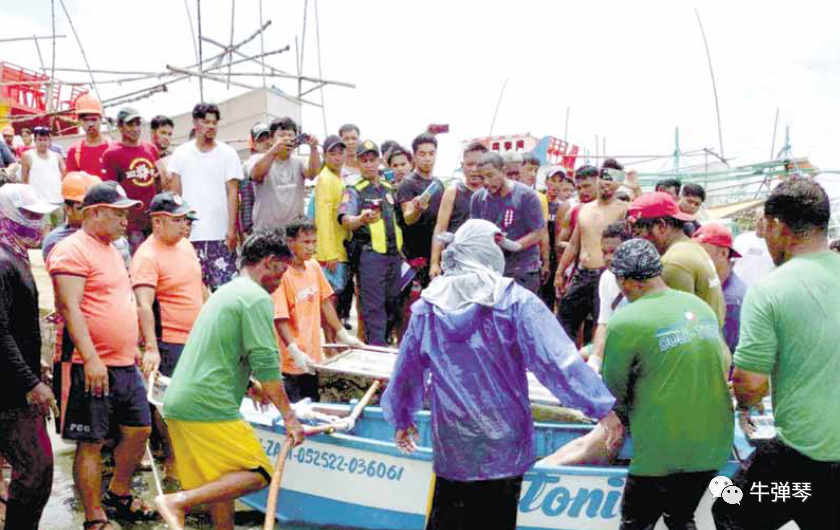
pixel 64 512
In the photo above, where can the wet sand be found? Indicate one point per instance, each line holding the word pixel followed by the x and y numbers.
pixel 64 511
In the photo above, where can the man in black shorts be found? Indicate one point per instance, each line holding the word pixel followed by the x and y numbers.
pixel 107 396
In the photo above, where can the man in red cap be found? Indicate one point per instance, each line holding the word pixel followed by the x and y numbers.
pixel 685 265
pixel 716 239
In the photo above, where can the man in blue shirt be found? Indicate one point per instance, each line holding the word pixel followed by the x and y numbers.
pixel 515 209
pixel 477 333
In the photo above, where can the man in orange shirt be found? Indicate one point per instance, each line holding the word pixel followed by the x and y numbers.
pixel 300 301
pixel 166 278
pixel 94 297
pixel 168 270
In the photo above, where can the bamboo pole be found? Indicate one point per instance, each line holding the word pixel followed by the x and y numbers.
pixel 320 73
pixel 714 85
pixel 81 49
pixel 240 54
pixel 34 37
pixel 232 25
pixel 279 466
pixel 114 72
pixel 200 55
pixel 262 42
pixel 222 80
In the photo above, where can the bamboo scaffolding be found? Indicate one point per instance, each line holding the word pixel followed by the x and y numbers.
pixel 34 37
pixel 210 77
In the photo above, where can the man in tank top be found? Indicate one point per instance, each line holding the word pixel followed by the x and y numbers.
pixel 455 203
pixel 43 169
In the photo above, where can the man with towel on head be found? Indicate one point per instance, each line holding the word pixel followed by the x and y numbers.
pixel 477 333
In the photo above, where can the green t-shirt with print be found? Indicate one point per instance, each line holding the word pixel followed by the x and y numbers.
pixel 663 361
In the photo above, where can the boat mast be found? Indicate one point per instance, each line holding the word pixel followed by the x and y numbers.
pixel 677 152
pixel 714 85
pixel 498 104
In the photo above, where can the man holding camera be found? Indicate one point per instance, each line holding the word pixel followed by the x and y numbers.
pixel 368 210
pixel 279 177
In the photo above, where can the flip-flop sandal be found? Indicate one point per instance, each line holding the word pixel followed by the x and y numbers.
pixel 129 507
pixel 103 524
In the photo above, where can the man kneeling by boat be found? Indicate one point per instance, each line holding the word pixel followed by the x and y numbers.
pixel 217 455
pixel 477 332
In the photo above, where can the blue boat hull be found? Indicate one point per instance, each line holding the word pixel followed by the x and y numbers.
pixel 361 480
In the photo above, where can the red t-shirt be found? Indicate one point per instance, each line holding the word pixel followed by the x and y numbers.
pixel 81 157
pixel 134 168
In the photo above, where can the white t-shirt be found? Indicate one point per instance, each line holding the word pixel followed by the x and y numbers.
pixel 203 185
pixel 608 291
pixel 755 262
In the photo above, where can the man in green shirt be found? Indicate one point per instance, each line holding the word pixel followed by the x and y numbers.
pixel 663 361
pixel 790 342
pixel 685 265
pixel 217 454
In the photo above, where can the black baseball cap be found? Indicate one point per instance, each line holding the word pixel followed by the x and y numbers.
pixel 126 114
pixel 168 203
pixel 367 147
pixel 332 141
pixel 259 129
pixel 109 194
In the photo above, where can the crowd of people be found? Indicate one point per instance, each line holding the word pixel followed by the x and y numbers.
pixel 228 276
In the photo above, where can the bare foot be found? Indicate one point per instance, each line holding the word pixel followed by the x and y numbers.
pixel 168 509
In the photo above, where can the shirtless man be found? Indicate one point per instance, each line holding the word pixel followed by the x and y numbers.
pixel 581 297
pixel 455 203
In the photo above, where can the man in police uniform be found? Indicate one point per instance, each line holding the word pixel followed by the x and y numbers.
pixel 367 210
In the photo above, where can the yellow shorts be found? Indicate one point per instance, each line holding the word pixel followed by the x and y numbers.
pixel 205 451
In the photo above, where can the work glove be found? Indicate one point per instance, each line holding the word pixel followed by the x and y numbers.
pixel 345 338
pixel 507 244
pixel 595 363
pixel 301 360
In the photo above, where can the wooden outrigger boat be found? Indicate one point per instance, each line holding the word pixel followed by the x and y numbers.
pixel 359 479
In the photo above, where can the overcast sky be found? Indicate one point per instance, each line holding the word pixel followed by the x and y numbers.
pixel 631 72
